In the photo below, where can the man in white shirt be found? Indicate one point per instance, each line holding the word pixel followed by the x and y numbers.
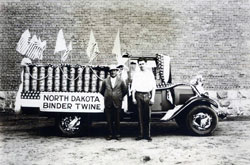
pixel 143 94
pixel 113 89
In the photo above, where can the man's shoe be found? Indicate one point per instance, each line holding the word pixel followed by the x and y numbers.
pixel 149 139
pixel 118 137
pixel 109 138
pixel 139 138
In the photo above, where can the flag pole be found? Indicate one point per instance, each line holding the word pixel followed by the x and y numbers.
pixel 70 59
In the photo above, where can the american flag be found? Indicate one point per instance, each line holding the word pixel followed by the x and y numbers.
pixel 33 48
pixel 23 43
pixel 35 95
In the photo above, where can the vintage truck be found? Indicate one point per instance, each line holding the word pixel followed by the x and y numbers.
pixel 70 93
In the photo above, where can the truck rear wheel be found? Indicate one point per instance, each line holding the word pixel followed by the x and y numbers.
pixel 201 120
pixel 70 124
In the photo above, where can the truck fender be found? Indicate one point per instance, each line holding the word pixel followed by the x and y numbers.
pixel 195 101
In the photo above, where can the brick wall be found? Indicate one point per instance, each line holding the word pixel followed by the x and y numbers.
pixel 211 38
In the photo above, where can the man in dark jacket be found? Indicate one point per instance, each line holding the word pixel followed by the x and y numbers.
pixel 113 89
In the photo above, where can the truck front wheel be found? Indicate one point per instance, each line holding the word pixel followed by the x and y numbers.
pixel 201 120
pixel 70 124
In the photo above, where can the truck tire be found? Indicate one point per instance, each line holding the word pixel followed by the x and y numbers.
pixel 69 124
pixel 202 120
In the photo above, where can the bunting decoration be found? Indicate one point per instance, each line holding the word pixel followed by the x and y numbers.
pixel 117 50
pixel 92 50
pixel 163 63
pixel 33 48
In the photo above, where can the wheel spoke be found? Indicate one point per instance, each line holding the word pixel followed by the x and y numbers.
pixel 70 124
pixel 202 121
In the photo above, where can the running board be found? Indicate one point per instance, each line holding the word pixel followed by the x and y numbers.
pixel 170 113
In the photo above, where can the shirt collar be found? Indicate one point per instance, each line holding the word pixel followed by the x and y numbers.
pixel 113 79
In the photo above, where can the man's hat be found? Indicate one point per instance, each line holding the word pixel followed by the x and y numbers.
pixel 120 66
pixel 113 67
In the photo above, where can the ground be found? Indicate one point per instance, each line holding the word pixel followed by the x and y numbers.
pixel 34 140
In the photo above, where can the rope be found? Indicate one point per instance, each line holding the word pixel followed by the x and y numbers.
pixel 95 74
pixel 67 75
pixel 37 78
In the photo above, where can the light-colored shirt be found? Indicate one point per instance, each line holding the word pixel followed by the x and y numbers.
pixel 123 75
pixel 143 81
pixel 113 80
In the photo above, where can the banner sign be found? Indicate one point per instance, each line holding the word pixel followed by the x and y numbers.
pixel 71 102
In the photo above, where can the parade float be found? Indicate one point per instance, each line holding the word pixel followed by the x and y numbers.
pixel 70 93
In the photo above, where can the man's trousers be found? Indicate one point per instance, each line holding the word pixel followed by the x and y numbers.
pixel 144 112
pixel 113 120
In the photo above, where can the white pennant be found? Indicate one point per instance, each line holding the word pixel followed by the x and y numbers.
pixel 117 50
pixel 60 42
pixel 92 50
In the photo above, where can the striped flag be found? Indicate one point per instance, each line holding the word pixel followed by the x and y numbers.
pixel 33 49
pixel 23 43
pixel 42 48
pixel 32 46
pixel 92 50
pixel 37 48
pixel 66 53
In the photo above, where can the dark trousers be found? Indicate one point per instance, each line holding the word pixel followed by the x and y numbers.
pixel 144 112
pixel 113 120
